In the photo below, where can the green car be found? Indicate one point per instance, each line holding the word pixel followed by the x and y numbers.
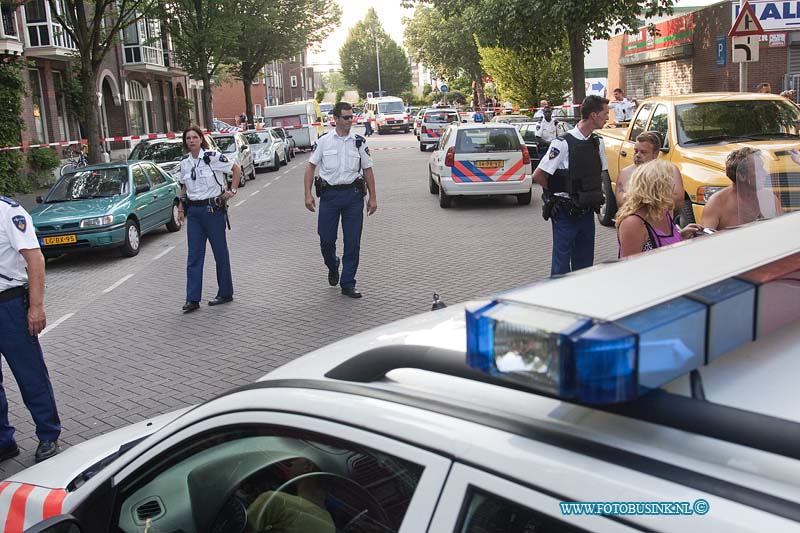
pixel 106 206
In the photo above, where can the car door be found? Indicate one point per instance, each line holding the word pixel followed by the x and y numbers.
pixel 437 157
pixel 163 189
pixel 240 469
pixel 145 205
pixel 246 156
pixel 474 501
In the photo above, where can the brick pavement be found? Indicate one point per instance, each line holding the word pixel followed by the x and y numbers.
pixel 130 354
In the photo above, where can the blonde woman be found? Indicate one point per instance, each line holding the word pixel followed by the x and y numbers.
pixel 644 222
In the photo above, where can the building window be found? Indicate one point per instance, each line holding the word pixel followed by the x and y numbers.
pixel 257 110
pixel 293 81
pixel 9 20
pixel 38 107
pixel 137 109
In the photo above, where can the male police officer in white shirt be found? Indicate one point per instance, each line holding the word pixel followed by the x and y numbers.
pixel 570 174
pixel 341 157
pixel 22 318
pixel 623 108
pixel 547 128
pixel 205 195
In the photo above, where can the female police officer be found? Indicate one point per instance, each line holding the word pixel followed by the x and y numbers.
pixel 204 194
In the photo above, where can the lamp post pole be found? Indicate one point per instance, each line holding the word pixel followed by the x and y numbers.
pixel 378 59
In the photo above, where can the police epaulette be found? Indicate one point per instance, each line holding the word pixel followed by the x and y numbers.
pixel 207 156
pixel 185 156
pixel 359 141
pixel 9 201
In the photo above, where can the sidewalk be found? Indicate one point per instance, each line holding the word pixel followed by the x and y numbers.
pixel 28 200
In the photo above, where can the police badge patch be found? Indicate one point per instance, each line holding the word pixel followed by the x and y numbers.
pixel 554 153
pixel 366 149
pixel 222 158
pixel 20 223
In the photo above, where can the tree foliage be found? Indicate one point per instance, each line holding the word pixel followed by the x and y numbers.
pixel 524 78
pixel 277 29
pixel 534 25
pixel 359 61
pixel 95 28
pixel 12 89
pixel 446 46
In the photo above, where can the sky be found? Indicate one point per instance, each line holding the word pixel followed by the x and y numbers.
pixel 391 14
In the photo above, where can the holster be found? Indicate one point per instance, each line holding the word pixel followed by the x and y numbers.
pixel 548 204
pixel 361 185
pixel 185 204
pixel 319 186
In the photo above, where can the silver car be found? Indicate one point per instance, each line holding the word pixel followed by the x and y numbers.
pixel 236 147
pixel 269 150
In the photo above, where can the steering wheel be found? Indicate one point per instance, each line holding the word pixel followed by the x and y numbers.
pixel 373 509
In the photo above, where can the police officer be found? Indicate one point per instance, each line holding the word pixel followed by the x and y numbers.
pixel 22 318
pixel 342 157
pixel 204 202
pixel 570 174
pixel 623 108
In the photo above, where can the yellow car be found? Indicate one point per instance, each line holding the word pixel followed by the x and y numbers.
pixel 698 132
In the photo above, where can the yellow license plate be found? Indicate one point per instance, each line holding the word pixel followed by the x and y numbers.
pixel 489 164
pixel 60 239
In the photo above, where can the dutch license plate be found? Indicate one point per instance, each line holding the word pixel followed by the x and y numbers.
pixel 60 239
pixel 493 163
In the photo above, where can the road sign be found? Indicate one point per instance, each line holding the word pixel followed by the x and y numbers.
pixel 745 49
pixel 746 23
pixel 444 88
pixel 722 51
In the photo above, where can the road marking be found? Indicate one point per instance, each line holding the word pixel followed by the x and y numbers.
pixel 240 203
pixel 255 192
pixel 55 324
pixel 265 186
pixel 162 254
pixel 117 284
pixel 276 178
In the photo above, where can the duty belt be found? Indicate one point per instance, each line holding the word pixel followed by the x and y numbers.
pixel 350 185
pixel 207 201
pixel 13 292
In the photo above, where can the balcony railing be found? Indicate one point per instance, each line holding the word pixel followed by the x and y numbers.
pixel 45 34
pixel 136 54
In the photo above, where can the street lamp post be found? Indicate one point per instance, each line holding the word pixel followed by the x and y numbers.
pixel 378 59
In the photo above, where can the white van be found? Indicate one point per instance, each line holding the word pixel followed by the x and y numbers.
pixel 300 119
pixel 390 114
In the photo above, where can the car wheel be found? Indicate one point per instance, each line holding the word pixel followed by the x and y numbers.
pixel 684 214
pixel 445 200
pixel 525 198
pixel 276 161
pixel 174 223
pixel 285 160
pixel 432 185
pixel 132 239
pixel 609 208
pixel 422 148
pixel 242 180
pixel 405 130
pixel 252 171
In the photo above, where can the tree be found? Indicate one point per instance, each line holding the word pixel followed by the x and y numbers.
pixel 319 95
pixel 333 81
pixel 444 45
pixel 95 27
pixel 201 33
pixel 276 29
pixel 524 78
pixel 534 25
pixel 359 61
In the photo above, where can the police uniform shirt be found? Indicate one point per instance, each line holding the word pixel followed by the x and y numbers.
pixel 623 110
pixel 16 233
pixel 209 180
pixel 547 130
pixel 557 157
pixel 338 159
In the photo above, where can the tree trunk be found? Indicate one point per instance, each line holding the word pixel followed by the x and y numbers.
pixel 248 101
pixel 575 34
pixel 208 112
pixel 89 97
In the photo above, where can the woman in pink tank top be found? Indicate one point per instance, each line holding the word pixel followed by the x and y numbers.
pixel 644 222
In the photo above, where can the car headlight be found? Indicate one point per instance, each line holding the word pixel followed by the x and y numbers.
pixel 704 193
pixel 97 221
pixel 266 151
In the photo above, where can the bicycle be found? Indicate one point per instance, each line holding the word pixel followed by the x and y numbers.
pixel 76 160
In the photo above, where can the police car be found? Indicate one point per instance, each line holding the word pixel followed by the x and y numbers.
pixel 480 159
pixel 433 124
pixel 622 397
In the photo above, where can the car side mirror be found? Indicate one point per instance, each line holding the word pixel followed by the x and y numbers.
pixel 243 148
pixel 142 188
pixel 40 199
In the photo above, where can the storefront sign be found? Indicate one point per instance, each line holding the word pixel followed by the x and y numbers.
pixel 773 40
pixel 773 16
pixel 673 32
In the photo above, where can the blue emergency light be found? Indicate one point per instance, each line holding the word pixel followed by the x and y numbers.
pixel 586 360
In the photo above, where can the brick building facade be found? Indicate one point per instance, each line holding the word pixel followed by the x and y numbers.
pixel 685 59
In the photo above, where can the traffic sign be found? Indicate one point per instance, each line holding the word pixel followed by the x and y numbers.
pixel 745 49
pixel 746 23
pixel 444 88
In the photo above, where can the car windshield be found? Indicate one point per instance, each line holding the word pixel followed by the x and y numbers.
pixel 737 120
pixel 280 133
pixel 441 117
pixel 512 120
pixel 258 138
pixel 160 152
pixel 226 144
pixel 92 183
pixel 487 140
pixel 391 107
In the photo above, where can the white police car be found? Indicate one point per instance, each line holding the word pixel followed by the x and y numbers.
pixel 625 397
pixel 478 160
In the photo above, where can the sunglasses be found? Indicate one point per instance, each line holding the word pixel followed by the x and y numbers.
pixel 346 117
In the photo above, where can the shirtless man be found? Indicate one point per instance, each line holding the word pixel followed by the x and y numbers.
pixel 646 149
pixel 743 201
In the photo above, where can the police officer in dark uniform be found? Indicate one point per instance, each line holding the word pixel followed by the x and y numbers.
pixel 204 203
pixel 345 176
pixel 22 318
pixel 570 174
